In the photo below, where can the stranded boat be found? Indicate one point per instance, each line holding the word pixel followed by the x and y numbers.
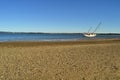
pixel 91 34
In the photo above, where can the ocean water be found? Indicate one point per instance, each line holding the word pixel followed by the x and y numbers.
pixel 5 37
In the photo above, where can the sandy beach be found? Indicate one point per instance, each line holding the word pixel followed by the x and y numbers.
pixel 67 60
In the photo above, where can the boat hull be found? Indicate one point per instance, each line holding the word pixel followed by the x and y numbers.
pixel 89 34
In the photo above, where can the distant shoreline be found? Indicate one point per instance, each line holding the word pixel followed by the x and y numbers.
pixel 55 33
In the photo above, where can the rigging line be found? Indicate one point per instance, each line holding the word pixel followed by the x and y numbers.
pixel 97 27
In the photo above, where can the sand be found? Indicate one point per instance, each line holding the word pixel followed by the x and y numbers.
pixel 71 60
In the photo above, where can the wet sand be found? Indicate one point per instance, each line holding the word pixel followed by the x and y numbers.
pixel 67 60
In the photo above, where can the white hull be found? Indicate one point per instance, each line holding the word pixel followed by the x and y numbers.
pixel 89 34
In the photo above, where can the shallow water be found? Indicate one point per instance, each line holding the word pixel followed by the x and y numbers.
pixel 50 37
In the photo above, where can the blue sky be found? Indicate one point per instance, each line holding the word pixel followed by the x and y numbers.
pixel 59 15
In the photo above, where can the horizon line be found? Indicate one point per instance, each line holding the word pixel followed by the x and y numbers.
pixel 58 32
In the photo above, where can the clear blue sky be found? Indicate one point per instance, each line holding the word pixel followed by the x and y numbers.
pixel 59 15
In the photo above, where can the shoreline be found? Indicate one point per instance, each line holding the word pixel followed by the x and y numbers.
pixel 50 43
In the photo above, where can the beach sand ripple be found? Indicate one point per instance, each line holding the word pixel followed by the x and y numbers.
pixel 60 62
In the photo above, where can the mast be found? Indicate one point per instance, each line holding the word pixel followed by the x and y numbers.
pixel 97 27
pixel 89 29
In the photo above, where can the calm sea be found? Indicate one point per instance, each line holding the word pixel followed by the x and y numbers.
pixel 4 37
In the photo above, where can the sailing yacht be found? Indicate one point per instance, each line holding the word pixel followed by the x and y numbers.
pixel 91 34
